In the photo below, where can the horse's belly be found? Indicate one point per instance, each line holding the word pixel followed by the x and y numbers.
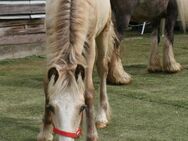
pixel 149 9
pixel 103 10
pixel 99 14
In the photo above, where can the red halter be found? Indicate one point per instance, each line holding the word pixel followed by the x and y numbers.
pixel 68 134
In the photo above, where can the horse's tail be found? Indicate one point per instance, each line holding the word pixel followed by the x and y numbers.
pixel 183 12
pixel 67 25
pixel 113 40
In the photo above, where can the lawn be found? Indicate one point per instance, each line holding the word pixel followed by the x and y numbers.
pixel 153 108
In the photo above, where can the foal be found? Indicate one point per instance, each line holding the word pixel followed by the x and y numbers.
pixel 75 30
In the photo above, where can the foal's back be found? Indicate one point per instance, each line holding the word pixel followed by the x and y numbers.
pixel 94 14
pixel 99 15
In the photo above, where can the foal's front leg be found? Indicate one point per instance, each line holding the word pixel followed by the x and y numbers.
pixel 89 93
pixel 103 114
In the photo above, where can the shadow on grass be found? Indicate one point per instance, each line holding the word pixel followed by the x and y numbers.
pixel 136 69
pixel 140 69
pixel 20 124
pixel 146 98
pixel 20 128
pixel 34 81
pixel 8 62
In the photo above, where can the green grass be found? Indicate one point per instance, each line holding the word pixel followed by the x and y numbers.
pixel 153 108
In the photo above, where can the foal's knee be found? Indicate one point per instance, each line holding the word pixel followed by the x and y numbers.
pixel 104 105
pixel 102 66
pixel 89 96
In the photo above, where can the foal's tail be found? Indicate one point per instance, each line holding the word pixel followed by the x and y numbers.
pixel 183 12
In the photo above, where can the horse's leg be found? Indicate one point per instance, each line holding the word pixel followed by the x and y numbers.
pixel 46 130
pixel 169 63
pixel 154 60
pixel 116 73
pixel 89 93
pixel 103 114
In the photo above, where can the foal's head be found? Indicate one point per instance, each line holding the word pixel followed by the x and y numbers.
pixel 65 100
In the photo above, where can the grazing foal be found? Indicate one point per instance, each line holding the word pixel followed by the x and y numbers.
pixel 75 30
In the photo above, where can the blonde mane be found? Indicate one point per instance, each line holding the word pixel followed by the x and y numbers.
pixel 66 25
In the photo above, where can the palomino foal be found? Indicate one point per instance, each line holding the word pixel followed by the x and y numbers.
pixel 74 29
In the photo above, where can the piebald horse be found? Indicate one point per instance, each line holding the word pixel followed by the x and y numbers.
pixel 154 11
pixel 76 29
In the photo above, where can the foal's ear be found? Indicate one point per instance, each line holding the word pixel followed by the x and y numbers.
pixel 80 70
pixel 51 72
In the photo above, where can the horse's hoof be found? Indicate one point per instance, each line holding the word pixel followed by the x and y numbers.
pixel 172 68
pixel 101 125
pixel 119 79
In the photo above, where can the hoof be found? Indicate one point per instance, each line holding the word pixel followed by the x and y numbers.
pixel 172 68
pixel 116 73
pixel 101 125
pixel 119 79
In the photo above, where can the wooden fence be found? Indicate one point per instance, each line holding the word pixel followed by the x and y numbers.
pixel 22 21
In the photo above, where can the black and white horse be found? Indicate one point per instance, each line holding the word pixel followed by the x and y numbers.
pixel 154 11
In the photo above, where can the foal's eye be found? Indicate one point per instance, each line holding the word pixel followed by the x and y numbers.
pixel 50 108
pixel 83 107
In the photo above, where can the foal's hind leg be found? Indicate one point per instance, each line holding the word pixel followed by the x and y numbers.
pixel 169 63
pixel 154 60
pixel 103 114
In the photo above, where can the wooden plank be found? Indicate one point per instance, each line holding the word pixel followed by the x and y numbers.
pixel 8 23
pixel 22 17
pixel 22 39
pixel 21 50
pixel 15 17
pixel 21 9
pixel 38 9
pixel 22 30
